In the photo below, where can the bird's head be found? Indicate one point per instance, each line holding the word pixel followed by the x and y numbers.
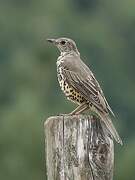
pixel 64 45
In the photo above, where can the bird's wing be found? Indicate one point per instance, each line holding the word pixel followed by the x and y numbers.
pixel 86 88
pixel 102 94
pixel 82 79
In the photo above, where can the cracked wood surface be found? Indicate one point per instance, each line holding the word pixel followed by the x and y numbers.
pixel 78 148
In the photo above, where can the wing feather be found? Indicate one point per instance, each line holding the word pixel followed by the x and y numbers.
pixel 86 89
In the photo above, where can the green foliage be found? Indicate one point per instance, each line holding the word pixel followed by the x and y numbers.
pixel 29 93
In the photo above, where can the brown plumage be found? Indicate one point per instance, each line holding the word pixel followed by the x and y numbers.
pixel 79 84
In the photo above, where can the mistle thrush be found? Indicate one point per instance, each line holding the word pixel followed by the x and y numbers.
pixel 79 84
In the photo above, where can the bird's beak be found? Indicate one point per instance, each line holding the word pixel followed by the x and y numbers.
pixel 52 40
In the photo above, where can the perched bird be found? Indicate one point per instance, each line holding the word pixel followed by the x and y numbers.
pixel 79 84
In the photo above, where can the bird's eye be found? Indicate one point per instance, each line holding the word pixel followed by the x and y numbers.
pixel 63 42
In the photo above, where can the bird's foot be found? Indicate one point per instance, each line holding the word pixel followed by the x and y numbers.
pixel 69 114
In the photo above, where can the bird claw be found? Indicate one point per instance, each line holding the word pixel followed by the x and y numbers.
pixel 61 114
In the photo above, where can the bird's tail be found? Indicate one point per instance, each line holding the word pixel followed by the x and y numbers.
pixel 107 120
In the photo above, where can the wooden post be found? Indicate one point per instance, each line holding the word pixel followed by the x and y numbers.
pixel 78 148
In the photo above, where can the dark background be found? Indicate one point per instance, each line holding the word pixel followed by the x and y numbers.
pixel 104 31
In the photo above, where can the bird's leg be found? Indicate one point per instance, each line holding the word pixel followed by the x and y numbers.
pixel 74 111
pixel 82 107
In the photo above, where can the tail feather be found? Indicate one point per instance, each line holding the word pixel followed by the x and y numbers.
pixel 107 120
pixel 110 127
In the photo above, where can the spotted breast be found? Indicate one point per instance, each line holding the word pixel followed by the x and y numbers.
pixel 69 91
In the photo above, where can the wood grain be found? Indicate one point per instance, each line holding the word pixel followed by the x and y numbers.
pixel 78 148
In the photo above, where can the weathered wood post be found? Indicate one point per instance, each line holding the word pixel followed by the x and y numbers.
pixel 78 148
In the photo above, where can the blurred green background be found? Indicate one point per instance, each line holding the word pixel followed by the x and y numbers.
pixel 29 92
